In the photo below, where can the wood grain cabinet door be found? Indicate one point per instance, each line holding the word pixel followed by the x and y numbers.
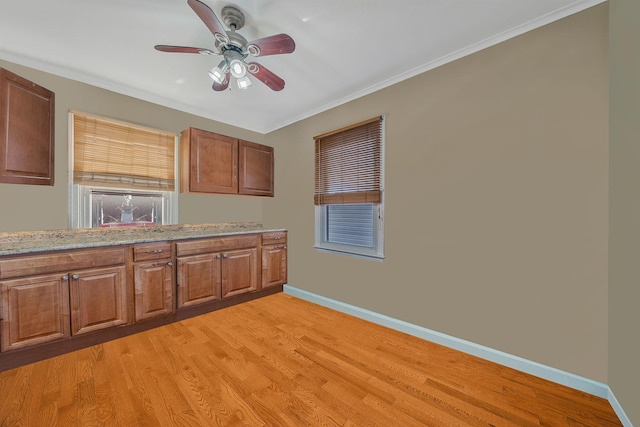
pixel 26 131
pixel 239 272
pixel 34 310
pixel 198 279
pixel 256 169
pixel 153 284
pixel 274 265
pixel 209 162
pixel 98 299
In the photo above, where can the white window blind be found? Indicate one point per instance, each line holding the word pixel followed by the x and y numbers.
pixel 116 154
pixel 351 224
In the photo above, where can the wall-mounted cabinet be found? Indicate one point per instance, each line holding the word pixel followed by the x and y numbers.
pixel 213 163
pixel 26 131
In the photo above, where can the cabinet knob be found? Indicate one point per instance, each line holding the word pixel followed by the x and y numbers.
pixel 75 277
pixel 65 277
pixel 218 256
pixel 225 256
pixel 169 263
pixel 284 247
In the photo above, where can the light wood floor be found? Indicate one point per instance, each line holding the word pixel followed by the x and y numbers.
pixel 281 361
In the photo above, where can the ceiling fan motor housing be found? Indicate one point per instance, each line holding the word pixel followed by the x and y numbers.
pixel 232 17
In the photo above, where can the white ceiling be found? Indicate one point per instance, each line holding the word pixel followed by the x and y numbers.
pixel 344 48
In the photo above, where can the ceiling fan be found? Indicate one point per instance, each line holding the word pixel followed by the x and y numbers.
pixel 235 49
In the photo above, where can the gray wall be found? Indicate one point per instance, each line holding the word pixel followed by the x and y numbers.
pixel 496 198
pixel 624 239
pixel 32 207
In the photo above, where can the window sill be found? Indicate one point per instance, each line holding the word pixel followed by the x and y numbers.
pixel 378 258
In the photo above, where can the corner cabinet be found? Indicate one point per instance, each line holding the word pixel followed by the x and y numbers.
pixel 213 163
pixel 26 131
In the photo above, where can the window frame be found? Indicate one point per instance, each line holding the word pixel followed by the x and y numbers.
pixel 375 253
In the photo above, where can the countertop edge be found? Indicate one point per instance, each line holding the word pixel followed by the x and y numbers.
pixel 34 242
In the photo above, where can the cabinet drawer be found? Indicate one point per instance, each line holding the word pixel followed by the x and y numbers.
pixel 216 244
pixel 152 251
pixel 274 238
pixel 67 261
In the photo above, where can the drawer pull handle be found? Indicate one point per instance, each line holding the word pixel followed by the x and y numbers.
pixel 155 251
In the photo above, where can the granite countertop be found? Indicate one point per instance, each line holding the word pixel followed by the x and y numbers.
pixel 24 242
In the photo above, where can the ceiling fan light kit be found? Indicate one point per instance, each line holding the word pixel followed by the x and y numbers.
pixel 234 49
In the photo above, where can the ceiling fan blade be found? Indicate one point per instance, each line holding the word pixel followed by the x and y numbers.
pixel 183 49
pixel 224 85
pixel 272 45
pixel 265 76
pixel 210 20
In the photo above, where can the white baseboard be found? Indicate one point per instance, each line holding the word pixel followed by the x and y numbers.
pixel 547 372
pixel 626 422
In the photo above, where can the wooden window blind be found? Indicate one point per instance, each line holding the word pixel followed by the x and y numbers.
pixel 348 164
pixel 116 154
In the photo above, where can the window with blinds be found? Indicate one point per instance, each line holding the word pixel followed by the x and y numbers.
pixel 348 164
pixel 115 154
pixel 120 173
pixel 348 189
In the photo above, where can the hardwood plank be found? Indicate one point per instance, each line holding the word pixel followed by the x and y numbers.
pixel 281 361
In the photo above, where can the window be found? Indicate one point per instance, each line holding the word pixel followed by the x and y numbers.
pixel 120 173
pixel 349 190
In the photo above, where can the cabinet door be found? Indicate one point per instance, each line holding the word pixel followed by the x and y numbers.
pixel 256 169
pixel 239 272
pixel 153 284
pixel 98 299
pixel 274 265
pixel 198 279
pixel 210 162
pixel 34 310
pixel 26 131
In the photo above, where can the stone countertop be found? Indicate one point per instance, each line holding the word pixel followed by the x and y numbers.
pixel 25 242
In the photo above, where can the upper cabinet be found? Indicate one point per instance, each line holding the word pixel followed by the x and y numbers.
pixel 256 169
pixel 26 131
pixel 213 163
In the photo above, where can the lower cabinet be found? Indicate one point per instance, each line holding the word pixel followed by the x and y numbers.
pixel 98 299
pixel 274 259
pixel 51 296
pixel 153 281
pixel 199 279
pixel 61 294
pixel 219 267
pixel 34 310
pixel 239 272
